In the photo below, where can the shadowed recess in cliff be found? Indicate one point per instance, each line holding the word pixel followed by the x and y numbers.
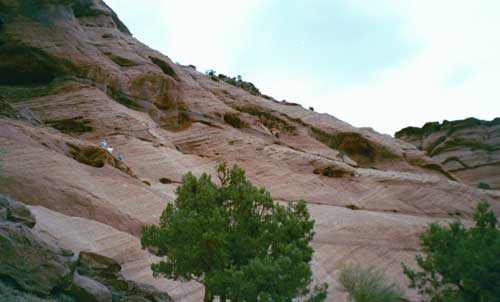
pixel 356 146
pixel 25 66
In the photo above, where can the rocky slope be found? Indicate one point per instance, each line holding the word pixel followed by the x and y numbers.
pixel 71 74
pixel 64 276
pixel 470 148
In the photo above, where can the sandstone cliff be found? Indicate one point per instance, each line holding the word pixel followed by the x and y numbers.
pixel 71 74
pixel 470 148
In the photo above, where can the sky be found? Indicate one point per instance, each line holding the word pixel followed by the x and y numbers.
pixel 384 64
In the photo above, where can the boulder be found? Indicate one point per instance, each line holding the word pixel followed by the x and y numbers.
pixel 32 264
pixel 16 212
pixel 148 293
pixel 86 289
pixel 95 265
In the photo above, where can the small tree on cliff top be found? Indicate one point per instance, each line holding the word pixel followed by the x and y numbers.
pixel 460 264
pixel 234 240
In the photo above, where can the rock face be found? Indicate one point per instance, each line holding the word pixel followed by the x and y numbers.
pixel 71 74
pixel 470 148
pixel 33 267
pixel 86 289
pixel 31 264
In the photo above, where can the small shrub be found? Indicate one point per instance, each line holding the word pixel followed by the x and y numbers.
pixel 234 120
pixel 211 73
pixel 484 186
pixel 165 180
pixel 367 284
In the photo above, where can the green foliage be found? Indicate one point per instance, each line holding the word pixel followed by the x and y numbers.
pixel 367 284
pixel 484 186
pixel 235 240
pixel 460 264
pixel 234 120
pixel 234 81
pixel 211 73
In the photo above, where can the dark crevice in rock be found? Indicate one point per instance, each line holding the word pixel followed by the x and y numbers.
pixel 475 167
pixel 77 125
pixel 124 99
pixel 333 172
pixel 455 159
pixel 8 281
pixel 21 66
pixel 434 145
pixel 121 61
pixel 164 66
pixel 438 168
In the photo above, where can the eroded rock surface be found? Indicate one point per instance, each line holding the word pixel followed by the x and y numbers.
pixel 34 267
pixel 71 74
pixel 470 148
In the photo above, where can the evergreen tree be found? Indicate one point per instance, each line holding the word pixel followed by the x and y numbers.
pixel 234 240
pixel 460 264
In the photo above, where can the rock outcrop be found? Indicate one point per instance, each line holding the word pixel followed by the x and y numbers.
pixel 34 268
pixel 470 148
pixel 71 74
pixel 31 264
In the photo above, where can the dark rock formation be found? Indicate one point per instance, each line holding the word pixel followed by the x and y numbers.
pixel 16 212
pixel 86 289
pixel 31 264
pixel 32 269
pixel 470 148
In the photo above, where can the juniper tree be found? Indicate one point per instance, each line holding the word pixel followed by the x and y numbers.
pixel 460 264
pixel 235 240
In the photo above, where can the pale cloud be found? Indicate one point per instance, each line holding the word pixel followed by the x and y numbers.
pixel 451 73
pixel 208 33
pixel 451 37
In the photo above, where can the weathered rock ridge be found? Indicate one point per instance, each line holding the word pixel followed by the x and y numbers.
pixel 33 267
pixel 470 148
pixel 71 74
